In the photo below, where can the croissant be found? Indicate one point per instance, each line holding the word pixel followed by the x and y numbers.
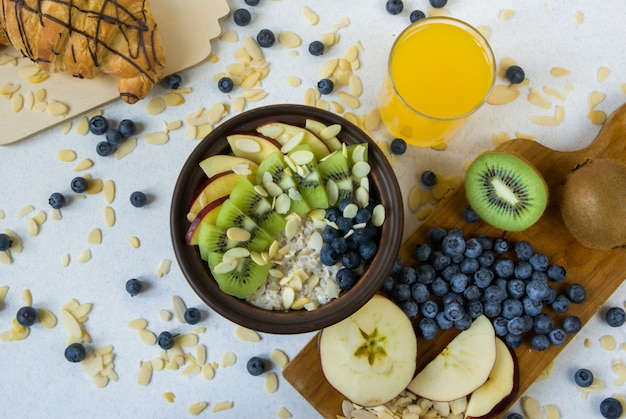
pixel 88 37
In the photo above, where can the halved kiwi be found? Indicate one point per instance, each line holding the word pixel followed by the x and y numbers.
pixel 244 280
pixel 505 190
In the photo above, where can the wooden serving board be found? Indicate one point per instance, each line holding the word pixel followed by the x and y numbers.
pixel 186 28
pixel 600 271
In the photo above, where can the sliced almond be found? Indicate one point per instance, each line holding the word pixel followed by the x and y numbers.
pixel 155 106
pixel 47 318
pixel 247 335
pixel 271 382
pixel 145 374
pixel 197 408
pixel 70 324
pixel 179 308
pixel 125 149
pixel 501 95
pixel 137 324
pixel 289 39
pixel 109 216
pixel 147 337
pixel 309 15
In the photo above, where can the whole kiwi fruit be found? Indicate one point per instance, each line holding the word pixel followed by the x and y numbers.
pixel 593 203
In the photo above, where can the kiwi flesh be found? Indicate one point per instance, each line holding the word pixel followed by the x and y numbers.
pixel 593 203
pixel 506 191
pixel 244 280
pixel 212 238
pixel 275 165
pixel 336 167
pixel 310 184
pixel 231 216
pixel 257 207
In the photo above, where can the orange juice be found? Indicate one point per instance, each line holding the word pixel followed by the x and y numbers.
pixel 440 71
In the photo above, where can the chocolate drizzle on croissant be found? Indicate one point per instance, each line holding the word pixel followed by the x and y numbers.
pixel 88 37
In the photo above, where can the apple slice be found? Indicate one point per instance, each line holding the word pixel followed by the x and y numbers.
pixel 214 188
pixel 283 133
pixel 208 214
pixel 370 356
pixel 221 163
pixel 316 127
pixel 252 146
pixel 493 397
pixel 462 367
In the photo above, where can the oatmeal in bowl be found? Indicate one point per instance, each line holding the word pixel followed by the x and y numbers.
pixel 286 219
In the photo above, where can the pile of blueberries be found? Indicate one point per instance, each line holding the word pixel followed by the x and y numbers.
pixel 351 241
pixel 457 279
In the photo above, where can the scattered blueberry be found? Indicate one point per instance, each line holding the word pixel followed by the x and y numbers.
pixel 138 199
pixel 133 287
pixel 26 316
pixel 192 315
pixel 523 250
pixel 56 200
pixel 127 128
pixel 556 273
pixel 501 246
pixel 540 342
pixel 225 85
pixel 615 316
pixel 543 323
pixel 557 336
pixel 428 328
pixel 401 292
pixel 79 184
pixel 265 38
pixel 252 2
pixel 453 245
pixel 454 311
pixel 394 7
pixel 576 293
pixel 523 270
pixel 114 137
pixel 165 340
pixel 387 284
pixel 560 304
pixel 255 366
pixel 572 324
pixel 436 235
pixel 75 352
pixel 98 125
pixel 514 415
pixel 438 4
pixel 398 146
pixel 583 377
pixel 5 242
pixel 419 292
pixel 416 15
pixel 242 17
pixel 429 309
pixel 316 48
pixel 539 262
pixel 104 148
pixel 410 308
pixel 463 323
pixel 428 178
pixel 611 408
pixel 469 215
pixel 173 81
pixel 515 74
pixel 422 252
pixel 325 86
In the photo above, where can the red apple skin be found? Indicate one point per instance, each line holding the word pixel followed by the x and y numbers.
pixel 259 136
pixel 503 404
pixel 191 236
pixel 203 186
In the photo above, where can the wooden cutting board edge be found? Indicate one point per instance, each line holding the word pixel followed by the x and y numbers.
pixel 304 371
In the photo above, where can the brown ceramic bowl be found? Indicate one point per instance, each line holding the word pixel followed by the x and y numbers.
pixel 383 188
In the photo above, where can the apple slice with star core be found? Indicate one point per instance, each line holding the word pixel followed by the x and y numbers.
pixel 462 367
pixel 370 356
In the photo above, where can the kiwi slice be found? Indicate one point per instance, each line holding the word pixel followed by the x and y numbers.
pixel 231 216
pixel 244 280
pixel 275 165
pixel 506 191
pixel 310 183
pixel 257 207
pixel 336 168
pixel 212 238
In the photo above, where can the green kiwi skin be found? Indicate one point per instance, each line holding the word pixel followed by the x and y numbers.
pixel 525 183
pixel 244 280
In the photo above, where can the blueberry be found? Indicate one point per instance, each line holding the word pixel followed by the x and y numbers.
pixel 255 366
pixel 98 125
pixel 458 282
pixel 265 38
pixel 133 286
pixel 397 265
pixel 523 250
pixel 325 86
pixel 504 267
pixel 611 408
pixel 550 296
pixel 340 245
pixel 556 273
pixel 463 323
pixel 79 184
pixel 428 328
pixel 516 288
pixel 615 316
pixel 127 128
pixel 469 215
pixel 387 284
pixel 104 148
pixel 452 296
pixel 410 308
pixel 516 325
pixel 75 352
pixel 363 215
pixel 439 287
pixel 416 15
pixel 351 259
pixel 542 324
pixel 408 275
pixel 486 258
pixel 242 17
pixel 531 307
pixel 439 260
pixel 454 311
pixel 474 309
pixel 138 199
pixel 329 233
pixel 56 200
pixel 469 266
pixel 539 262
pixel 539 276
pixel 436 235
pixel 401 292
pixel 419 292
pixel 429 309
pixel 26 316
pixel 368 250
pixel 443 322
pixel 428 178
pixel 225 85
pixel 173 81
pixel 485 241
pixel 394 7
pixel 398 146
pixel 540 342
pixel 438 4
pixel 514 415
pixel 316 48
pixel 346 278
pixel 557 336
pixel 572 324
pixel 5 242
pixel 483 277
pixel 511 308
pixel 495 293
pixel 536 289
pixel 192 315
pixel 523 270
pixel 328 255
pixel 448 272
pixel 252 2
pixel 453 245
pixel 472 293
pixel 500 326
pixel 114 137
pixel 501 246
pixel 576 293
pixel 560 304
pixel 422 252
pixel 513 341
pixel 583 377
pixel 515 74
pixel 473 248
pixel 165 340
pixel 425 274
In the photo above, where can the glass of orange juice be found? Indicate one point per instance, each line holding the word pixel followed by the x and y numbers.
pixel 440 71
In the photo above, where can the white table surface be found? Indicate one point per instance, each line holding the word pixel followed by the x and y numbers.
pixel 37 382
